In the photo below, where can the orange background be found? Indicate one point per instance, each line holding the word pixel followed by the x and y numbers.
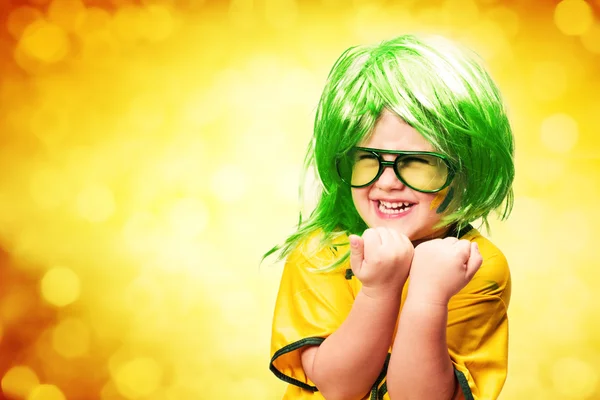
pixel 150 154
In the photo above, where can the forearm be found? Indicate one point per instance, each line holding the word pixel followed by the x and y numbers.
pixel 348 362
pixel 420 366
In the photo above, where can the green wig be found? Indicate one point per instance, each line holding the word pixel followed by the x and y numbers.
pixel 442 91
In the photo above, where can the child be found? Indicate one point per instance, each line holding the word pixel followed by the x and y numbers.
pixel 411 144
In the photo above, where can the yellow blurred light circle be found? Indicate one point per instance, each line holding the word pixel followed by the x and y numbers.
pixel 67 14
pixel 574 378
pixel 232 80
pixel 202 109
pixel 573 17
pixel 50 124
pixel 147 112
pixel 286 186
pixel 46 392
pixel 19 381
pixel 578 221
pixel 548 80
pixel 60 286
pixel 559 132
pixel 93 19
pixel 242 13
pixel 147 3
pixel 591 39
pixel 240 306
pixel 71 338
pixel 138 378
pixel 15 303
pixel 109 391
pixel 99 47
pixel 506 18
pixel 427 16
pixel 128 24
pixel 20 18
pixel 141 231
pixel 188 217
pixel 565 313
pixel 229 183
pixel 303 84
pixel 554 171
pixel 145 292
pixel 7 214
pixel 459 12
pixel 528 211
pixel 47 188
pixel 334 3
pixel 250 388
pixel 27 62
pixel 96 203
pixel 160 22
pixel 362 3
pixel 489 40
pixel 45 42
pixel 281 14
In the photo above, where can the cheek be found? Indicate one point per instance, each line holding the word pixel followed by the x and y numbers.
pixel 430 204
pixel 360 198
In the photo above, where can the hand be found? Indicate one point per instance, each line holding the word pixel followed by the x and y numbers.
pixel 441 268
pixel 381 259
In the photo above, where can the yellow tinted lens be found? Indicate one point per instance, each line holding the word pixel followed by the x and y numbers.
pixel 366 167
pixel 423 172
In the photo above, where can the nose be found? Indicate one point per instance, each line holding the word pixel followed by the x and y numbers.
pixel 388 180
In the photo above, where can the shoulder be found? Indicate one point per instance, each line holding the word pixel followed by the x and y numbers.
pixel 493 276
pixel 316 252
pixel 308 274
pixel 309 265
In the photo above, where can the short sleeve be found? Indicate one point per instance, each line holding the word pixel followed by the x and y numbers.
pixel 478 327
pixel 310 306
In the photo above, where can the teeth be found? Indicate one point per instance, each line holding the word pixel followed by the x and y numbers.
pixel 394 205
pixel 387 207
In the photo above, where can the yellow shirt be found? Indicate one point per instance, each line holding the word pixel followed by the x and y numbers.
pixel 311 305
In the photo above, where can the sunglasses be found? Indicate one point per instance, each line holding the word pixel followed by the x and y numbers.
pixel 422 171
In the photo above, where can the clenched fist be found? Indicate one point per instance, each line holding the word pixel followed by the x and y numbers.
pixel 441 268
pixel 381 260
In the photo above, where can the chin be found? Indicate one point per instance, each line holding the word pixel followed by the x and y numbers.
pixel 398 226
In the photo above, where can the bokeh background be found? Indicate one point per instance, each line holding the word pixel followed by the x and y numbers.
pixel 150 153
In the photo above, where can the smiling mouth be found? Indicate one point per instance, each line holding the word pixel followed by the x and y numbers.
pixel 392 208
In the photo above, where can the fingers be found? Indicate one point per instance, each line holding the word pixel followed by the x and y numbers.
pixel 381 242
pixel 384 236
pixel 400 240
pixel 378 237
pixel 395 236
pixel 357 252
pixel 475 260
pixel 463 249
pixel 372 237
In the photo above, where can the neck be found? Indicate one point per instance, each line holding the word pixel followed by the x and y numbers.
pixel 439 234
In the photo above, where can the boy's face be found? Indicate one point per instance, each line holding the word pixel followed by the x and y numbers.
pixel 381 203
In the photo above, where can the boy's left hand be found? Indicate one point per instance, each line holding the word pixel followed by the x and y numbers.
pixel 441 268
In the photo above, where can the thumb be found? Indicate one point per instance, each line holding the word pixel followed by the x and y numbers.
pixel 475 260
pixel 357 252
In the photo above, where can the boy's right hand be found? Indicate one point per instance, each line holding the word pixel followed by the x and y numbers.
pixel 381 260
